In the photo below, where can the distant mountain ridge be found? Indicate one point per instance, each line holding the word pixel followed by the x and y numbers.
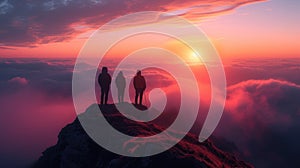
pixel 76 149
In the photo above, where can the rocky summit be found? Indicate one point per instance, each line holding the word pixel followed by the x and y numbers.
pixel 75 149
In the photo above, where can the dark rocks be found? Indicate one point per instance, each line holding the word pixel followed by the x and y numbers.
pixel 75 149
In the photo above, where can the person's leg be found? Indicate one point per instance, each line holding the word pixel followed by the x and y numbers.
pixel 119 95
pixel 102 96
pixel 119 98
pixel 141 97
pixel 136 96
pixel 106 95
pixel 122 95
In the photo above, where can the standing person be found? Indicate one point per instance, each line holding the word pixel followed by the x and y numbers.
pixel 104 81
pixel 140 86
pixel 120 83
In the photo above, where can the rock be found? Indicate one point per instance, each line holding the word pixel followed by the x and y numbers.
pixel 75 149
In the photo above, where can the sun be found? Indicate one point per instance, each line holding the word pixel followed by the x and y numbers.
pixel 193 57
pixel 194 54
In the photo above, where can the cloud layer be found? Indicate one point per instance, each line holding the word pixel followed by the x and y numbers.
pixel 26 23
pixel 35 103
pixel 262 119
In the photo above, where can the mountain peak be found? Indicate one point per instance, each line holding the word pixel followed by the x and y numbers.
pixel 76 149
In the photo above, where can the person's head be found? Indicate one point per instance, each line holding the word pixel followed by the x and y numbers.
pixel 120 73
pixel 139 73
pixel 104 69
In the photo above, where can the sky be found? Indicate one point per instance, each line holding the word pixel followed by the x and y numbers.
pixel 257 41
pixel 266 29
pixel 59 28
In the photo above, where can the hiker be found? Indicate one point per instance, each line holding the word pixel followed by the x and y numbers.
pixel 104 81
pixel 120 83
pixel 139 86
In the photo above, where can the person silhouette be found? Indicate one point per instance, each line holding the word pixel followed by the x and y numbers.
pixel 139 83
pixel 120 83
pixel 104 81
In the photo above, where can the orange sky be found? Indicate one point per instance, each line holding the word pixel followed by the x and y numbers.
pixel 261 29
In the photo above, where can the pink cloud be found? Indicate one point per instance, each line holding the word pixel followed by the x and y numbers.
pixel 32 22
pixel 19 80
pixel 196 9
pixel 249 95
pixel 261 114
pixel 30 121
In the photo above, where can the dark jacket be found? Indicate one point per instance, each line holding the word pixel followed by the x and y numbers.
pixel 139 82
pixel 120 82
pixel 104 80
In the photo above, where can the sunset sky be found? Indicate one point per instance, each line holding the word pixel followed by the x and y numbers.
pixel 241 28
pixel 257 40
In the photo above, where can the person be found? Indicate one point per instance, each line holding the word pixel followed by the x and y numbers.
pixel 104 81
pixel 139 83
pixel 120 83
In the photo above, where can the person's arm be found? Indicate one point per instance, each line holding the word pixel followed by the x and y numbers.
pixel 144 82
pixel 123 81
pixel 99 79
pixel 109 79
pixel 117 81
pixel 134 82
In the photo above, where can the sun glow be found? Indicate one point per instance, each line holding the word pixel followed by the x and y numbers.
pixel 193 57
